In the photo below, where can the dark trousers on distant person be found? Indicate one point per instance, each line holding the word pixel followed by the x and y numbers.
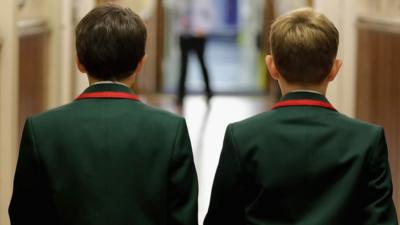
pixel 197 45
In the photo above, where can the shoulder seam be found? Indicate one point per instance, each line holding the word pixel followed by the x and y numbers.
pixel 378 137
pixel 35 146
pixel 178 130
pixel 235 149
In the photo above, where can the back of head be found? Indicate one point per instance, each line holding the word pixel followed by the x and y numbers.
pixel 304 44
pixel 110 42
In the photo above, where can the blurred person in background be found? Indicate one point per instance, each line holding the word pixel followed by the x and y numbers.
pixel 106 158
pixel 193 20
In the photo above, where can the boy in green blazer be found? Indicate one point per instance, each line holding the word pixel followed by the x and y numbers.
pixel 106 158
pixel 303 162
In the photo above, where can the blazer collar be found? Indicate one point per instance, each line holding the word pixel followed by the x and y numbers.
pixel 108 91
pixel 303 98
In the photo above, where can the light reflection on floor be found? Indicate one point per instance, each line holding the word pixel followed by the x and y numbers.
pixel 207 126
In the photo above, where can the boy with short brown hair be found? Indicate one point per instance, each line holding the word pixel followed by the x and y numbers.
pixel 106 158
pixel 303 162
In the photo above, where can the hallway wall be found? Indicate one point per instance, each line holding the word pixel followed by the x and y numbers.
pixel 378 98
pixel 8 102
pixel 378 83
pixel 33 9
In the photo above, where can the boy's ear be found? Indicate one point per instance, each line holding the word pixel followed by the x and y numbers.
pixel 271 67
pixel 81 67
pixel 140 65
pixel 335 69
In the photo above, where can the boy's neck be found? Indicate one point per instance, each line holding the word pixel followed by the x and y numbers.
pixel 128 82
pixel 287 88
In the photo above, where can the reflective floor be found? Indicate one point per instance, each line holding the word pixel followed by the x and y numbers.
pixel 207 124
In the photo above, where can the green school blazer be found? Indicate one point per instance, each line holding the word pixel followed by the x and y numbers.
pixel 305 165
pixel 105 161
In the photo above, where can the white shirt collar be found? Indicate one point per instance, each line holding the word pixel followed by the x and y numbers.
pixel 309 91
pixel 109 82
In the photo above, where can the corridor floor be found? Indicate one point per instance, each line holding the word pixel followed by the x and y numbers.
pixel 207 124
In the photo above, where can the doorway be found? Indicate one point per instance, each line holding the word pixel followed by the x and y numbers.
pixel 231 54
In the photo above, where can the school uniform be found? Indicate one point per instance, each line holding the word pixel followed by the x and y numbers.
pixel 302 163
pixel 105 158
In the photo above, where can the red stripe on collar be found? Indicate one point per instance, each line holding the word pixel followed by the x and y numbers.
pixel 303 102
pixel 108 94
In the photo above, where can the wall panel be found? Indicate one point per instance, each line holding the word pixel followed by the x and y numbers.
pixel 33 66
pixel 378 86
pixel 8 103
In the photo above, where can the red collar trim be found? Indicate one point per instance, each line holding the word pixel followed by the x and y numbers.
pixel 303 102
pixel 108 94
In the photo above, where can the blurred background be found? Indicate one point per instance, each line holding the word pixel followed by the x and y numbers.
pixel 38 72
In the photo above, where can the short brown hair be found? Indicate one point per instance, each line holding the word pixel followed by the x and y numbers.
pixel 110 42
pixel 304 45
